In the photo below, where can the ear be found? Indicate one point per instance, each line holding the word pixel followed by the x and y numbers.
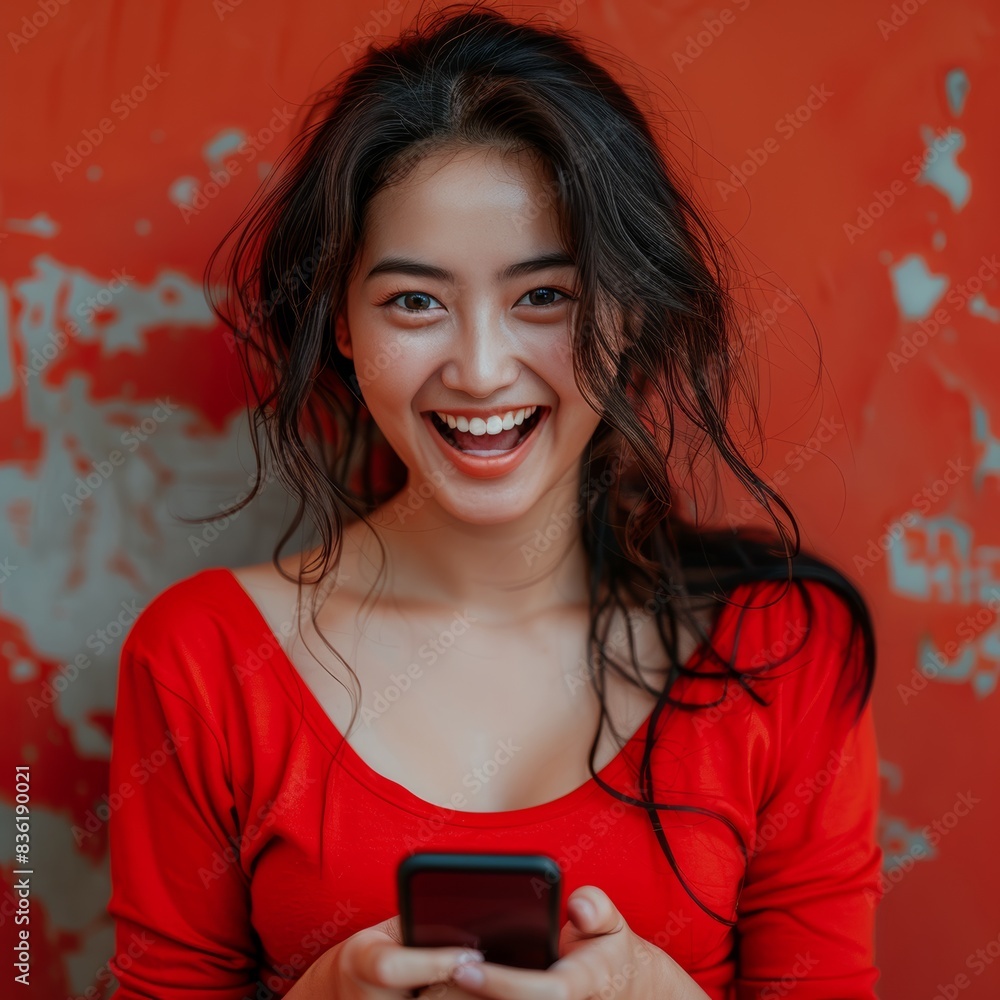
pixel 343 336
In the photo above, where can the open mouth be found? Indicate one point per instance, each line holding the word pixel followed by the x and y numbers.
pixel 488 445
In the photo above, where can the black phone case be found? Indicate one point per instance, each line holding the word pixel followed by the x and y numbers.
pixel 531 865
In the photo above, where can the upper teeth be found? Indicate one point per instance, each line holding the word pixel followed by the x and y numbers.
pixel 492 425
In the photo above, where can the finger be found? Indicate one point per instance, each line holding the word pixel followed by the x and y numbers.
pixel 572 976
pixel 589 959
pixel 382 962
pixel 503 982
pixel 592 914
pixel 445 991
pixel 392 928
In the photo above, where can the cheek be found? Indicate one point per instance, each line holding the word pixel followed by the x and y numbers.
pixel 389 370
pixel 572 401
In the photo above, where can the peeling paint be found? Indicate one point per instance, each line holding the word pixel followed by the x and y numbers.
pixel 956 85
pixel 942 171
pixel 916 290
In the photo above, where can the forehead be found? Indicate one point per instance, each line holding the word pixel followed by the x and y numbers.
pixel 477 204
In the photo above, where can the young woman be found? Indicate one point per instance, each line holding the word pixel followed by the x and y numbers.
pixel 490 322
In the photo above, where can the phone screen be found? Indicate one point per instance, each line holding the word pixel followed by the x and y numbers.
pixel 506 915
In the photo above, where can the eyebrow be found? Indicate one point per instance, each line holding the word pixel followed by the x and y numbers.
pixel 406 265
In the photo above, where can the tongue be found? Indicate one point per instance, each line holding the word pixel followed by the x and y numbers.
pixel 503 441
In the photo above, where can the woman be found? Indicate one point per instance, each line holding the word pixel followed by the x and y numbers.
pixel 487 316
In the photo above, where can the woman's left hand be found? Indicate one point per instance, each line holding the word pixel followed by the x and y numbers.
pixel 597 951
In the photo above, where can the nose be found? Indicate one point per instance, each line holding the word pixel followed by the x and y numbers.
pixel 482 360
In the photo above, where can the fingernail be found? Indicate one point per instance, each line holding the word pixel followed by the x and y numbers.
pixel 471 956
pixel 584 908
pixel 470 974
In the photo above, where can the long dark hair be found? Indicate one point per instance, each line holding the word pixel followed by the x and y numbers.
pixel 653 277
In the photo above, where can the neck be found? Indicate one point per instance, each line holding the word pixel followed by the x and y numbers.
pixel 509 572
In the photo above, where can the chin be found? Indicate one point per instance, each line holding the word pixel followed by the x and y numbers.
pixel 490 507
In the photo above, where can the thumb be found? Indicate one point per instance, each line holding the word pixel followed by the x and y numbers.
pixel 591 914
pixel 392 928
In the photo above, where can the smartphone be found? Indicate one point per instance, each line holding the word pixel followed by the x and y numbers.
pixel 506 905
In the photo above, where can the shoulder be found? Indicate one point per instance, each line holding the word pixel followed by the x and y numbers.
pixel 187 636
pixel 784 614
pixel 797 684
pixel 185 610
pixel 802 642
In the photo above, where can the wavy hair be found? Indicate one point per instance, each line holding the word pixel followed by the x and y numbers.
pixel 656 336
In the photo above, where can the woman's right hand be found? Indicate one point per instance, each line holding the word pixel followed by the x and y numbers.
pixel 374 964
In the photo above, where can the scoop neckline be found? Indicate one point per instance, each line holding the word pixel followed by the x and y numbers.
pixel 402 797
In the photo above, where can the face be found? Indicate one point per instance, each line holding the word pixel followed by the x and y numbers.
pixel 461 305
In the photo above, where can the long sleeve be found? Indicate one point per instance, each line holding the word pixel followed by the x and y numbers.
pixel 179 897
pixel 806 914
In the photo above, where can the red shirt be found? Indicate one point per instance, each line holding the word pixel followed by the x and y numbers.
pixel 243 845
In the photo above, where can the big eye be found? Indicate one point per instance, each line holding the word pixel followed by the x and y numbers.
pixel 422 300
pixel 545 292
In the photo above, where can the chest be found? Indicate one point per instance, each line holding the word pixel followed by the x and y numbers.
pixel 455 707
pixel 329 859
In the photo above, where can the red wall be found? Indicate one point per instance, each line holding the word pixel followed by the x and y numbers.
pixel 892 467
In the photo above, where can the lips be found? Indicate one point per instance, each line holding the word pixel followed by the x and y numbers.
pixel 493 463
